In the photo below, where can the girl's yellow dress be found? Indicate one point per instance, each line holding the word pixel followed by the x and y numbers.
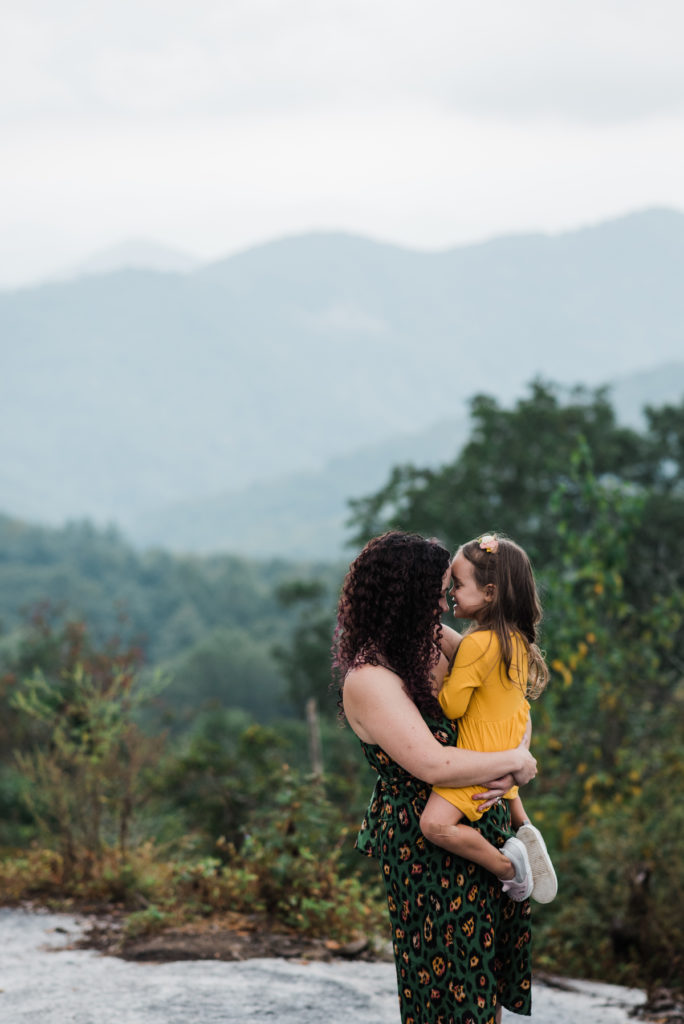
pixel 489 704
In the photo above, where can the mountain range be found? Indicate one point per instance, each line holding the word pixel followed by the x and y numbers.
pixel 238 404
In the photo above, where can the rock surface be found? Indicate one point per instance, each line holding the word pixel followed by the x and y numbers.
pixel 44 979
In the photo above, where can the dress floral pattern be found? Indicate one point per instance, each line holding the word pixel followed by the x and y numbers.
pixel 461 946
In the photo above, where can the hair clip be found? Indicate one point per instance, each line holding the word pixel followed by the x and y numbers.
pixel 489 542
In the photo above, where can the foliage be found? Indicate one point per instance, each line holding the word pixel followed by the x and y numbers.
pixel 618 913
pixel 221 772
pixel 291 867
pixel 228 668
pixel 129 882
pixel 291 873
pixel 86 769
pixel 609 734
pixel 305 659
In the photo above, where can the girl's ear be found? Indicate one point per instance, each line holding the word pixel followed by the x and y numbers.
pixel 490 592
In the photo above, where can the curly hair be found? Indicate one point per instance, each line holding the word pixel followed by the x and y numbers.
pixel 389 612
pixel 515 605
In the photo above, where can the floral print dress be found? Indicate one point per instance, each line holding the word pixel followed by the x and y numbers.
pixel 461 946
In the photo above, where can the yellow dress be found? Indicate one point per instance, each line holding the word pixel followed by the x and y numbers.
pixel 490 706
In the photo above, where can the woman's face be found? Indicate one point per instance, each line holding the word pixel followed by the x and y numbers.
pixel 469 599
pixel 446 587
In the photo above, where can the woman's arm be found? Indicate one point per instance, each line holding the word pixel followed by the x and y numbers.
pixel 450 642
pixel 496 788
pixel 448 647
pixel 380 711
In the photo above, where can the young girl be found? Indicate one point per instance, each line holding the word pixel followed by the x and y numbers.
pixel 497 665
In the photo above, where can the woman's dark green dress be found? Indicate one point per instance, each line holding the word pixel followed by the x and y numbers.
pixel 461 946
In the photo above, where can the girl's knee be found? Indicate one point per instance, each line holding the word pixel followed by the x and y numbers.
pixel 429 826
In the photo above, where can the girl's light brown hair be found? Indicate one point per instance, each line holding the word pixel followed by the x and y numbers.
pixel 515 603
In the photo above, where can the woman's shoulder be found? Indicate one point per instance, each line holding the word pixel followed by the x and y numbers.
pixel 365 687
pixel 366 674
pixel 380 711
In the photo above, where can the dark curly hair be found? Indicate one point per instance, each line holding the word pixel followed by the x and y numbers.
pixel 389 612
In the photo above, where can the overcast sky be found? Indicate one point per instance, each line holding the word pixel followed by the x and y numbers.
pixel 211 125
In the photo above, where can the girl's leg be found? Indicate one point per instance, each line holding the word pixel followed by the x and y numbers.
pixel 440 822
pixel 518 815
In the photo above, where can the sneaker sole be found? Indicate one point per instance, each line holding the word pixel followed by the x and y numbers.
pixel 545 882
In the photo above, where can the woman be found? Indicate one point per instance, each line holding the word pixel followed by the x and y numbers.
pixel 460 946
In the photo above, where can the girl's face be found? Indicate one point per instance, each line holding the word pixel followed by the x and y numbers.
pixel 469 598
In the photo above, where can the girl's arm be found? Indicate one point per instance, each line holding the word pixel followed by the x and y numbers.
pixel 380 711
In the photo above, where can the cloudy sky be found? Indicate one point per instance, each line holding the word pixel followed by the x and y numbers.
pixel 211 125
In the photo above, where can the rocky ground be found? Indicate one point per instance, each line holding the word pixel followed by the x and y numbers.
pixel 223 937
pixel 231 971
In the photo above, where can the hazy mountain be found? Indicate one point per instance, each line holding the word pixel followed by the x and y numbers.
pixel 305 514
pixel 127 393
pixel 134 254
pixel 297 516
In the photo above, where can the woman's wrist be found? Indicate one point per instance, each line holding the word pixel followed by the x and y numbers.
pixel 527 767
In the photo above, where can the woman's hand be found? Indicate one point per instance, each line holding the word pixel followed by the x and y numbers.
pixel 499 787
pixel 495 790
pixel 528 769
pixel 450 642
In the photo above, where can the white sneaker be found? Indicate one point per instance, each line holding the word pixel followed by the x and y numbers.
pixel 519 887
pixel 545 882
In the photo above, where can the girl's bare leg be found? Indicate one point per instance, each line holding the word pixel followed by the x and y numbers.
pixel 518 815
pixel 440 822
